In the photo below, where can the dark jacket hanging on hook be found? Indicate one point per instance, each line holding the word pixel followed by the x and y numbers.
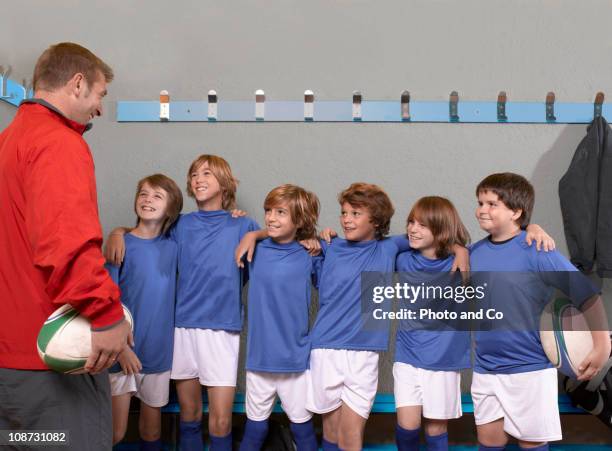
pixel 586 201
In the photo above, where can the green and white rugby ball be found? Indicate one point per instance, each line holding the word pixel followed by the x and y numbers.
pixel 64 341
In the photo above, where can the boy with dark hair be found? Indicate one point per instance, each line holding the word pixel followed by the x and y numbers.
pixel 514 386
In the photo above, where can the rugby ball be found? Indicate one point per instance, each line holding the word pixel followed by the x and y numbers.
pixel 64 341
pixel 565 336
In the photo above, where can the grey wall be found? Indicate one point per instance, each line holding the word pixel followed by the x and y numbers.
pixel 477 47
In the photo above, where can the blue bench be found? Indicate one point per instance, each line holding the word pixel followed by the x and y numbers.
pixel 384 403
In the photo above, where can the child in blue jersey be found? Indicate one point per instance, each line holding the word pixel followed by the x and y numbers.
pixel 208 316
pixel 514 386
pixel 278 344
pixel 344 358
pixel 147 279
pixel 427 365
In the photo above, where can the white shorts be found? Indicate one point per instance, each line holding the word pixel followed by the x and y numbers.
pixel 528 403
pixel 342 376
pixel 261 391
pixel 210 355
pixel 439 392
pixel 152 389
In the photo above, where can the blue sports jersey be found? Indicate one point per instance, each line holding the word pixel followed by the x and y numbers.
pixel 147 279
pixel 209 282
pixel 439 350
pixel 280 279
pixel 340 323
pixel 519 293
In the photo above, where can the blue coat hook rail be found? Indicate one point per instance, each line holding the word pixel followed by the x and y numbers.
pixel 11 91
pixel 404 110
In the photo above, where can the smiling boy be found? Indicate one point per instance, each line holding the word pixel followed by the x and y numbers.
pixel 344 358
pixel 514 387
pixel 278 343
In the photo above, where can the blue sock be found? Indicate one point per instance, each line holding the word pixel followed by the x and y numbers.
pixel 437 442
pixel 406 439
pixel 543 447
pixel 191 436
pixel 491 448
pixel 304 436
pixel 255 433
pixel 221 443
pixel 150 446
pixel 329 446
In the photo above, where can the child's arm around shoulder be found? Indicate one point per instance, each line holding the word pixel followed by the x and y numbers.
pixel 462 255
pixel 317 265
pixel 247 246
pixel 328 234
pixel 114 247
pixel 313 246
pixel 462 259
pixel 543 240
pixel 401 241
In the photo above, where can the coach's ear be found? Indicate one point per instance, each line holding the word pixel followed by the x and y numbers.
pixel 77 84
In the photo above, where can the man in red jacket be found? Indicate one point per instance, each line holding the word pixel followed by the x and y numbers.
pixel 50 239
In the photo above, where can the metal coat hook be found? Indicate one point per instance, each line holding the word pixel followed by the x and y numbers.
pixel 356 106
pixel 212 105
pixel 308 105
pixel 4 74
pixel 260 101
pixel 501 106
pixel 550 107
pixel 164 106
pixel 599 99
pixel 27 88
pixel 405 101
pixel 452 106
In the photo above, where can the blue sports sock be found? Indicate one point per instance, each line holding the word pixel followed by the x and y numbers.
pixel 191 436
pixel 329 446
pixel 221 443
pixel 543 447
pixel 406 439
pixel 304 436
pixel 437 442
pixel 255 433
pixel 491 448
pixel 155 445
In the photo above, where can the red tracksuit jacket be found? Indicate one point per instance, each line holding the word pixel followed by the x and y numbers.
pixel 50 234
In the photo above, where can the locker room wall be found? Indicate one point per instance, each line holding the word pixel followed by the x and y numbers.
pixel 477 47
